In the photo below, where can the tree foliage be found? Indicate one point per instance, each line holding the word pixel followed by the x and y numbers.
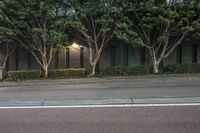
pixel 162 25
pixel 36 28
pixel 97 23
pixel 6 32
pixel 41 26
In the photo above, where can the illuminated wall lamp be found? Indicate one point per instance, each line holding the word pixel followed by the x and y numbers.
pixel 75 45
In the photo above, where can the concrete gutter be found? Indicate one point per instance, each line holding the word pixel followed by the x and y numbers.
pixel 131 101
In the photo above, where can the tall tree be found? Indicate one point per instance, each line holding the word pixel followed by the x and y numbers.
pixel 36 28
pixel 6 43
pixel 162 25
pixel 97 23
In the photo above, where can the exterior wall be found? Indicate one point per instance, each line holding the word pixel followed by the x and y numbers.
pixel 119 55
pixel 74 58
pixel 1 56
pixel 105 59
pixel 12 61
pixel 198 54
pixel 21 60
pixel 171 59
pixel 86 58
pixel 186 54
pixel 134 56
pixel 52 64
pixel 61 59
pixel 33 63
pixel 147 59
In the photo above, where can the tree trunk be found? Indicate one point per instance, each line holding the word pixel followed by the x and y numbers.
pixel 2 66
pixel 154 62
pixel 45 71
pixel 155 67
pixel 93 73
pixel 93 62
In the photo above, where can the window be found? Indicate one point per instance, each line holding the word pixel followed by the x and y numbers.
pixel 67 58
pixel 82 57
pixel 112 56
pixel 142 55
pixel 179 54
pixel 29 60
pixel 125 55
pixel 7 64
pixel 56 60
pixel 17 59
pixel 194 53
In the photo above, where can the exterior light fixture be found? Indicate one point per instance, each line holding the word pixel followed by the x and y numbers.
pixel 75 45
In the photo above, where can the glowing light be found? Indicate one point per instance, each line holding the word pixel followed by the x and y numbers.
pixel 75 45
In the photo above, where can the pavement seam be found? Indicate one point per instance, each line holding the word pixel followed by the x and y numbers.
pixel 132 100
pixel 42 104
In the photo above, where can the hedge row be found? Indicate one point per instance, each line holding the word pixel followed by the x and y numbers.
pixel 36 74
pixel 107 71
pixel 67 73
pixel 139 70
pixel 125 71
pixel 182 68
pixel 24 75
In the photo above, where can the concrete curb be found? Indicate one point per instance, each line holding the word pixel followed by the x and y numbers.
pixel 6 103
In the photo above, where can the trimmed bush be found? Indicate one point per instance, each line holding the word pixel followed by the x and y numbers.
pixel 125 71
pixel 36 74
pixel 137 70
pixel 113 71
pixel 24 75
pixel 182 68
pixel 67 73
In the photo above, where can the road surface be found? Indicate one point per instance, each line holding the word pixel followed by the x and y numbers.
pixel 174 119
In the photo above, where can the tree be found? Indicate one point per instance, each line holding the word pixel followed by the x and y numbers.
pixel 36 28
pixel 97 23
pixel 162 25
pixel 6 43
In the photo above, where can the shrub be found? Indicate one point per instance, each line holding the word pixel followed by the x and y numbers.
pixel 67 73
pixel 24 75
pixel 36 74
pixel 109 71
pixel 182 68
pixel 137 70
pixel 125 71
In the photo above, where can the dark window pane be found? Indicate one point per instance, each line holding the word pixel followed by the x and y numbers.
pixel 7 64
pixel 82 57
pixel 125 55
pixel 112 56
pixel 56 60
pixel 29 61
pixel 194 53
pixel 142 55
pixel 17 59
pixel 179 54
pixel 67 58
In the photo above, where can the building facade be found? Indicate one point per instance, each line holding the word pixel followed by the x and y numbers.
pixel 118 54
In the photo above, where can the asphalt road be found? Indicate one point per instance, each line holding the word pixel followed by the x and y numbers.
pixel 102 120
pixel 103 88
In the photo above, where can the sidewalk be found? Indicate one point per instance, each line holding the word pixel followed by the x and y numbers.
pixel 121 90
pixel 185 100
